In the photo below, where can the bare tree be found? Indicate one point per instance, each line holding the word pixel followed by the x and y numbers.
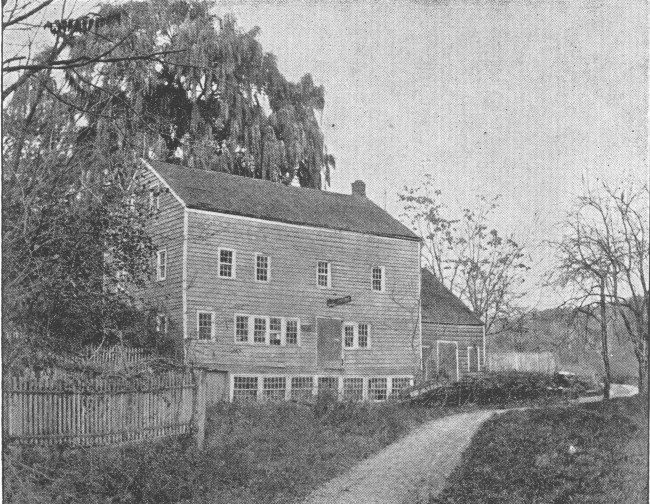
pixel 603 258
pixel 470 258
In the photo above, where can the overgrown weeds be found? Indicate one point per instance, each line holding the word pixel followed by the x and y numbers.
pixel 254 453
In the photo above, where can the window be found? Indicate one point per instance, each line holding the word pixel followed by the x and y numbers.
pixel 161 264
pixel 161 323
pixel 356 335
pixel 291 337
pixel 398 384
pixel 205 325
pixel 275 331
pixel 328 383
pixel 267 330
pixel 473 359
pixel 349 336
pixel 274 388
pixel 302 387
pixel 363 336
pixel 244 388
pixel 241 329
pixel 226 263
pixel 324 274
pixel 259 332
pixel 378 279
pixel 353 389
pixel 262 268
pixel 377 389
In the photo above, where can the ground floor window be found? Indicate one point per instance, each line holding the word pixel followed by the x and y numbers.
pixel 353 389
pixel 302 387
pixel 274 388
pixel 328 383
pixel 399 384
pixel 244 388
pixel 473 359
pixel 377 389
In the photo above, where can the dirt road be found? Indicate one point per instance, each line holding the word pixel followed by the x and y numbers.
pixel 416 465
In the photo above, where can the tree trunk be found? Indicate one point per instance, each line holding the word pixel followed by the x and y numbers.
pixel 603 338
pixel 642 357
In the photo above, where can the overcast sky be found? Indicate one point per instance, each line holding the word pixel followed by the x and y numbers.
pixel 523 99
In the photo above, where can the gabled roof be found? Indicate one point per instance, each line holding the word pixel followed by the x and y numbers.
pixel 440 306
pixel 261 199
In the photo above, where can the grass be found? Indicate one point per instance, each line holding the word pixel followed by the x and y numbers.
pixel 594 453
pixel 254 453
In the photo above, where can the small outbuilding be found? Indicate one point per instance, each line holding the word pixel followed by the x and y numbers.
pixel 453 337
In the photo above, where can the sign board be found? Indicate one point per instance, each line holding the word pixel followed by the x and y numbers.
pixel 339 301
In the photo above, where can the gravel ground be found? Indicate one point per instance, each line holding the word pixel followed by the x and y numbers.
pixel 417 465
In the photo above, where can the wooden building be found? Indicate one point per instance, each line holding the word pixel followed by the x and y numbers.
pixel 280 291
pixel 453 337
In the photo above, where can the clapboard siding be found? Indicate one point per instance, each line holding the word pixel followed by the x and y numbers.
pixel 165 227
pixel 464 335
pixel 292 292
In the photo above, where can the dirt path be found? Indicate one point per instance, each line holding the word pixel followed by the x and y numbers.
pixel 416 465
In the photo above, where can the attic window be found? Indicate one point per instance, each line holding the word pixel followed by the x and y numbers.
pixel 324 274
pixel 226 263
pixel 378 279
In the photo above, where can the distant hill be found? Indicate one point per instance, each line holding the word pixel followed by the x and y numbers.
pixel 575 341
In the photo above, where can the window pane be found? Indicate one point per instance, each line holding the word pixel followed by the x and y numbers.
pixel 225 263
pixel 349 336
pixel 275 331
pixel 353 389
pixel 328 383
pixel 323 274
pixel 274 388
pixel 205 326
pixel 259 334
pixel 377 389
pixel 245 388
pixel 241 329
pixel 262 268
pixel 363 335
pixel 162 264
pixel 377 279
pixel 292 332
pixel 302 387
pixel 400 383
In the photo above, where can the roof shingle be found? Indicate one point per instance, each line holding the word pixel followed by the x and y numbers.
pixel 261 199
pixel 440 306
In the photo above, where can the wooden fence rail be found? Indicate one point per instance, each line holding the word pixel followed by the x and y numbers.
pixel 539 362
pixel 101 410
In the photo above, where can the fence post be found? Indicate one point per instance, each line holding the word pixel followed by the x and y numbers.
pixel 199 409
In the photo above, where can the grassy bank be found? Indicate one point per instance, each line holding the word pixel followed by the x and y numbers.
pixel 594 453
pixel 255 453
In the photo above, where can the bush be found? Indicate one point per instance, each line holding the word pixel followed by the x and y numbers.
pixel 502 388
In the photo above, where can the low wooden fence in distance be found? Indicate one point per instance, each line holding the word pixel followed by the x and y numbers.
pixel 103 410
pixel 538 362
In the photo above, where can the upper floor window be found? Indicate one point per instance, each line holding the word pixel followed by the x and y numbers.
pixel 161 323
pixel 324 274
pixel 161 264
pixel 356 335
pixel 205 325
pixel 262 268
pixel 226 263
pixel 378 279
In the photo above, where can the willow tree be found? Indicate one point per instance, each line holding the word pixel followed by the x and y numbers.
pixel 212 100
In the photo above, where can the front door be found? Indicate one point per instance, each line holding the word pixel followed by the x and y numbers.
pixel 329 343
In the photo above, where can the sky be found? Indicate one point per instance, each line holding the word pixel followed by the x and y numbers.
pixel 529 100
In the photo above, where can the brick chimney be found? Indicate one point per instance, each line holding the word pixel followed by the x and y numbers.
pixel 359 187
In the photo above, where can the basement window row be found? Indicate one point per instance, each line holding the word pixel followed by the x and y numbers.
pixel 262 330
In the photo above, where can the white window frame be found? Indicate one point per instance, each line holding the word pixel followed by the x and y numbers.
pixel 329 275
pixel 268 268
pixel 267 338
pixel 383 278
pixel 159 263
pixel 355 340
pixel 162 322
pixel 212 324
pixel 233 265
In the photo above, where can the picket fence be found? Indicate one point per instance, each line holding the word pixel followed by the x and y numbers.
pixel 102 410
pixel 539 362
